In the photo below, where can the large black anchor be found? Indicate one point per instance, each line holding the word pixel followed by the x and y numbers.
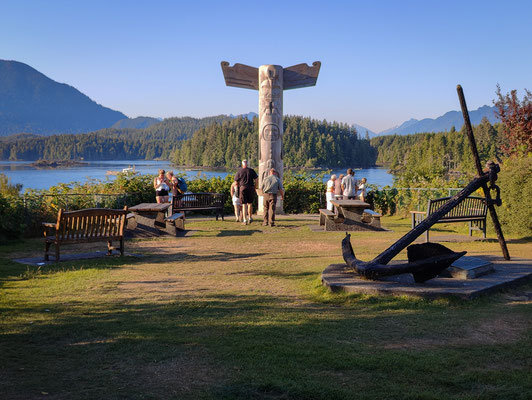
pixel 427 260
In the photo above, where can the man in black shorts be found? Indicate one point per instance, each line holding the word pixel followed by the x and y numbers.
pixel 246 178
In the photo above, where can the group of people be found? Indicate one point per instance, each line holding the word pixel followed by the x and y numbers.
pixel 243 191
pixel 164 184
pixel 345 187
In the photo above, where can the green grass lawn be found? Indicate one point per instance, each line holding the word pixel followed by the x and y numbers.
pixel 238 312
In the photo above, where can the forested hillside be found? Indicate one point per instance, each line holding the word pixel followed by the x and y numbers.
pixel 306 143
pixel 424 156
pixel 156 141
pixel 90 147
pixel 218 141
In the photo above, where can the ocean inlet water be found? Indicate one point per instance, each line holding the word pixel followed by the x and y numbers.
pixel 43 178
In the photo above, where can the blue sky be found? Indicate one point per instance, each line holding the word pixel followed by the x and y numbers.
pixel 382 62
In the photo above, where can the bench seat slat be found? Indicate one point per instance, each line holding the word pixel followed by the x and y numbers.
pixel 175 216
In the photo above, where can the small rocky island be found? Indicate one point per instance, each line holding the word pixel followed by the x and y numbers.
pixel 56 163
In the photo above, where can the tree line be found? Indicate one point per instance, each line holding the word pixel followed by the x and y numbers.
pixel 423 157
pixel 306 143
pixel 218 142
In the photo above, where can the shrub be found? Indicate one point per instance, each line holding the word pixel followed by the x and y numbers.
pixel 12 217
pixel 515 181
pixel 305 193
pixel 23 214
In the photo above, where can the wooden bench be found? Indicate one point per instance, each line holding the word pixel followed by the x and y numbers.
pixel 371 217
pixel 177 220
pixel 324 214
pixel 473 210
pixel 85 226
pixel 199 202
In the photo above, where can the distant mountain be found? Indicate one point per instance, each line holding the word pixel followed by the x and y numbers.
pixel 249 115
pixel 361 130
pixel 33 103
pixel 443 123
pixel 136 123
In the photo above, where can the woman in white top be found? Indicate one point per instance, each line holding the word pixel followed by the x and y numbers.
pixel 362 189
pixel 162 186
pixel 329 194
pixel 236 202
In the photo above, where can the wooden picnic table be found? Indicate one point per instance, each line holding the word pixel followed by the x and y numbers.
pixel 350 209
pixel 151 217
pixel 146 208
pixel 351 215
pixel 152 214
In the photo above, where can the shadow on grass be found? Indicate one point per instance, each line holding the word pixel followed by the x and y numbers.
pixel 274 274
pixel 523 240
pixel 157 257
pixel 121 350
pixel 12 270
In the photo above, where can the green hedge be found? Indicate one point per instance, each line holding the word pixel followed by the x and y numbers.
pixel 22 214
pixel 515 181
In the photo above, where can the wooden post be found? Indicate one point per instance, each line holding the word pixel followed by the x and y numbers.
pixel 491 207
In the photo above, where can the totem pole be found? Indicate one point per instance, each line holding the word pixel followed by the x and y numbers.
pixel 270 81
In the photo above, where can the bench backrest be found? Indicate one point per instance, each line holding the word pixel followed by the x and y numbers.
pixel 198 200
pixel 471 207
pixel 90 223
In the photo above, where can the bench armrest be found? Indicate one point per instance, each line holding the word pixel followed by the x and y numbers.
pixel 417 217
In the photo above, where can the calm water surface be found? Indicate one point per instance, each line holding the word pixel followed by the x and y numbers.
pixel 37 178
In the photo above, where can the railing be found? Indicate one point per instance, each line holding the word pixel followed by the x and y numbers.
pixel 76 201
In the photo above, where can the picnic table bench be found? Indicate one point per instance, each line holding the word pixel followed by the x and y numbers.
pixel 85 226
pixel 199 202
pixel 473 210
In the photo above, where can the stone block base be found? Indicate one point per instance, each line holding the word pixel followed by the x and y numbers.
pixel 506 274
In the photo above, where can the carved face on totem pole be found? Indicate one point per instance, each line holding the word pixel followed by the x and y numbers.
pixel 270 118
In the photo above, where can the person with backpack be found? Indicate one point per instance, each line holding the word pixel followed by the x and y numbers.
pixel 177 185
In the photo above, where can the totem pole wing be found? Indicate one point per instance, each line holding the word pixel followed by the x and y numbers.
pixel 301 75
pixel 240 75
